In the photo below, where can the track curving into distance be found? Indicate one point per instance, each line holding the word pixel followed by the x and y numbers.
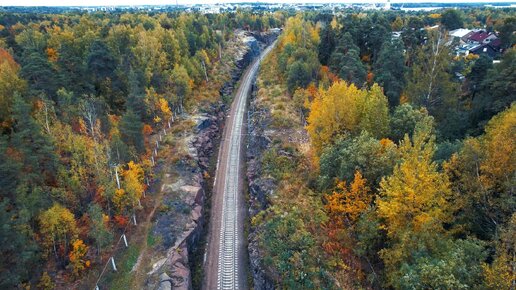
pixel 225 248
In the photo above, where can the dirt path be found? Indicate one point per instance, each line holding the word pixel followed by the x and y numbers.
pixel 224 265
pixel 143 258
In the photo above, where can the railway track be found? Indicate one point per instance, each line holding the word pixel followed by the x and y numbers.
pixel 226 244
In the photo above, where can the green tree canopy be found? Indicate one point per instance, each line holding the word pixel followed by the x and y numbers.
pixel 452 19
pixel 390 70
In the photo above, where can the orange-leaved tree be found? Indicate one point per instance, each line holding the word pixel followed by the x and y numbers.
pixel 343 207
pixel 10 83
pixel 77 257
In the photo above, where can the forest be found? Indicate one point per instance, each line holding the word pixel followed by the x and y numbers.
pixel 81 98
pixel 406 180
pixel 407 177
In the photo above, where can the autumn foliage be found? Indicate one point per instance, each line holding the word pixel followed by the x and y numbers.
pixel 77 257
pixel 345 109
pixel 437 209
pixel 345 204
pixel 81 100
pixel 343 207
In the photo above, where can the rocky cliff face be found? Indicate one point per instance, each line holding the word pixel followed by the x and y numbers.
pixel 267 37
pixel 260 187
pixel 250 49
pixel 179 224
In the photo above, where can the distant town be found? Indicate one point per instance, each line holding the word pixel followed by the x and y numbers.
pixel 228 7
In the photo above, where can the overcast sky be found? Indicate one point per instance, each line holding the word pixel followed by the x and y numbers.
pixel 169 2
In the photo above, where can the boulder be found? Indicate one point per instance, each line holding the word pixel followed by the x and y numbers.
pixel 194 194
pixel 165 282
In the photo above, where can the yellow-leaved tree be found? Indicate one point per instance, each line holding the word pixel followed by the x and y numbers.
pixel 414 201
pixel 483 175
pixel 345 109
pixel 374 112
pixel 500 274
pixel 297 31
pixel 333 113
pixel 126 198
pixel 499 164
pixel 57 227
pixel 164 109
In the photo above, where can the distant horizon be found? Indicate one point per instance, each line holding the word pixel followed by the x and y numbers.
pixel 93 3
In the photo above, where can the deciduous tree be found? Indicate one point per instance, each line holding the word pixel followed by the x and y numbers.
pixel 77 257
pixel 344 109
pixel 414 203
pixel 10 83
pixel 483 176
pixel 58 228
pixel 373 158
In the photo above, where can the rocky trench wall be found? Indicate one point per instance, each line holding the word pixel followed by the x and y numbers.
pixel 173 271
pixel 260 187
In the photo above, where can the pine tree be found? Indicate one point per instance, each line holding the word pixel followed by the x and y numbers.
pixel 101 67
pixel 390 70
pixel 298 76
pixel 497 91
pixel 131 128
pixel 72 72
pixel 10 170
pixel 345 61
pixel 452 19
pixel 37 151
pixel 478 73
pixel 101 63
pixel 327 44
pixel 19 252
pixel 40 75
pixel 136 98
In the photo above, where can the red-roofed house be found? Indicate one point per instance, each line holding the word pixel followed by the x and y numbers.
pixel 478 36
pixel 482 36
pixel 496 43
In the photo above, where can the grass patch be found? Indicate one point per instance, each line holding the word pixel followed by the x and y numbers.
pixel 278 165
pixel 151 239
pixel 123 278
pixel 183 126
pixel 281 120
